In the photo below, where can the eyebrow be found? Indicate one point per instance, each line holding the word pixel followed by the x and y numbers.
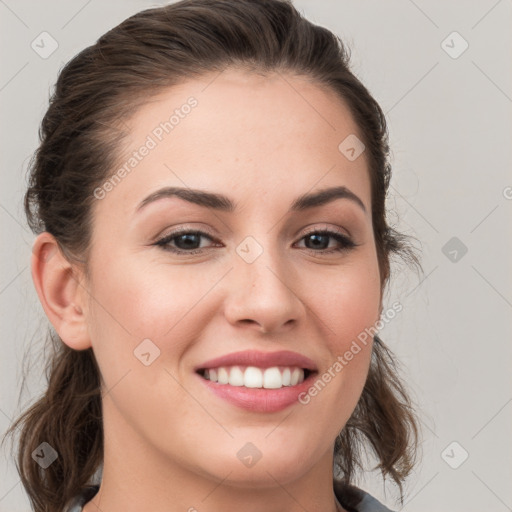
pixel 225 204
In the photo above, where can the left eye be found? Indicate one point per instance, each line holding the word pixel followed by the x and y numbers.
pixel 318 237
pixel 189 242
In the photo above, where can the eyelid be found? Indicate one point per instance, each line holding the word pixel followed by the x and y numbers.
pixel 184 228
pixel 326 227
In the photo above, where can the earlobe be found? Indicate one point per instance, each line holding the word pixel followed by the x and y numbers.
pixel 60 291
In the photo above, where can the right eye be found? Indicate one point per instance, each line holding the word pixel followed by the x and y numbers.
pixel 185 241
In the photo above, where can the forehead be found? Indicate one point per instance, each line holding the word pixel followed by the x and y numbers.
pixel 240 130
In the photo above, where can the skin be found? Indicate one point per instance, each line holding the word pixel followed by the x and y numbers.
pixel 263 141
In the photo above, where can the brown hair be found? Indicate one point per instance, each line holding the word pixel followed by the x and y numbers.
pixel 81 139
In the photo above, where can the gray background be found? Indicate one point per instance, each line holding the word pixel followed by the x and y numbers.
pixel 450 128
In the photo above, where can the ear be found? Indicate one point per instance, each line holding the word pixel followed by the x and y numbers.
pixel 60 291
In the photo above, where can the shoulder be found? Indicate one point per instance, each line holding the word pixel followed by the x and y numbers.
pixel 356 500
pixel 85 495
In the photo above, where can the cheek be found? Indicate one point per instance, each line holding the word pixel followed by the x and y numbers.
pixel 149 300
pixel 133 302
pixel 348 304
pixel 347 307
pixel 132 305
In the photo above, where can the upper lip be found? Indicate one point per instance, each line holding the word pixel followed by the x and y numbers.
pixel 260 359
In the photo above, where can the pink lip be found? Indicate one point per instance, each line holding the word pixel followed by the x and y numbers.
pixel 259 399
pixel 261 360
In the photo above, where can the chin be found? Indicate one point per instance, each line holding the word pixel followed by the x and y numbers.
pixel 258 468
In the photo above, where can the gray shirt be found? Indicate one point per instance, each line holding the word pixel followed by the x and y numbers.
pixel 351 498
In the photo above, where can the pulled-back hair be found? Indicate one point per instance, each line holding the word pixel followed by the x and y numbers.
pixel 81 138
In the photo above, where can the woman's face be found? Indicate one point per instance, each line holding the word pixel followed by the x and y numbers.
pixel 257 278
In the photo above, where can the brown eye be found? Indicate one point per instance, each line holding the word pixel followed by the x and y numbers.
pixel 318 241
pixel 185 241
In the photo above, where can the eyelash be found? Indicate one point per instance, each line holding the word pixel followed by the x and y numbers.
pixel 346 243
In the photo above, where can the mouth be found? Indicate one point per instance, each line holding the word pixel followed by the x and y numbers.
pixel 253 377
pixel 257 381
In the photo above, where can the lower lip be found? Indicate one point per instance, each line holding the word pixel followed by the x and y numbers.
pixel 259 399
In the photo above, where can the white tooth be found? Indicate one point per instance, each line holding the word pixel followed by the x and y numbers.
pixel 295 376
pixel 272 378
pixel 286 376
pixel 236 377
pixel 253 377
pixel 223 375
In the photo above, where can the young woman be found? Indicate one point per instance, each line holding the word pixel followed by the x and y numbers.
pixel 212 252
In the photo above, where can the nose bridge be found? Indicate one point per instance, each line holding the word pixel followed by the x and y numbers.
pixel 261 288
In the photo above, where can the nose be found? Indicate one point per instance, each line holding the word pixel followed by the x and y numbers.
pixel 262 295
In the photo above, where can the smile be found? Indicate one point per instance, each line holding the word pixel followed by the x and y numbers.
pixel 274 377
